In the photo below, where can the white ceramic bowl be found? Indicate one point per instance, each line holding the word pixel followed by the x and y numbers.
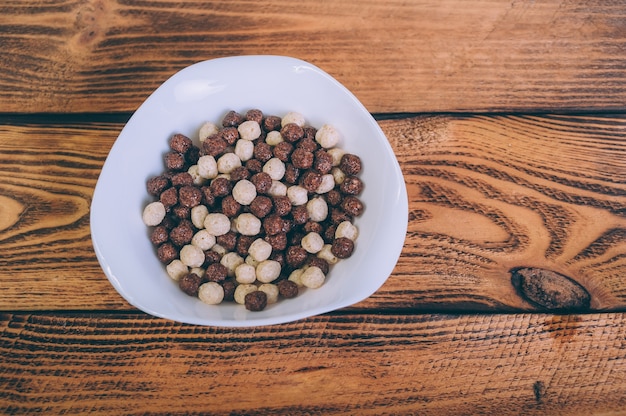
pixel 205 92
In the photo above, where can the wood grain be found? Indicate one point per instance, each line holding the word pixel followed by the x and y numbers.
pixel 487 194
pixel 337 364
pixel 409 56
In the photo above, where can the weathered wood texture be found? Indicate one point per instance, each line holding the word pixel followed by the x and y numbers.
pixel 409 56
pixel 342 364
pixel 486 195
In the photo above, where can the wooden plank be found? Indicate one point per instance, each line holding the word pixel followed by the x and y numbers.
pixel 334 364
pixel 486 195
pixel 409 56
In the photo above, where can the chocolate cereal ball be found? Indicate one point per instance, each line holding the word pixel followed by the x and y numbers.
pixel 174 161
pixel 271 123
pixel 180 143
pixel 182 234
pixel 292 132
pixel 256 301
pixel 287 289
pixel 232 119
pixel 351 185
pixel 159 235
pixel 262 181
pixel 189 196
pixel 157 184
pixel 261 206
pixel 342 247
pixel 216 272
pixel 167 252
pixel 350 164
pixel 295 256
pixel 190 283
pixel 352 205
pixel 282 205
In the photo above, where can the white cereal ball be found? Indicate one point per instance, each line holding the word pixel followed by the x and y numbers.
pixel 219 249
pixel 198 271
pixel 296 277
pixel 271 290
pixel 326 254
pixel 347 229
pixel 327 184
pixel 192 256
pixel 312 242
pixel 242 290
pixel 244 192
pixel 176 269
pixel 338 175
pixel 249 130
pixel 273 138
pixel 207 167
pixel 336 153
pixel 227 162
pixel 275 168
pixel 317 209
pixel 267 271
pixel 313 277
pixel 327 136
pixel 245 273
pixel 231 261
pixel 203 239
pixel 153 213
pixel 244 149
pixel 251 261
pixel 207 130
pixel 297 195
pixel 211 293
pixel 293 117
pixel 198 214
pixel 260 250
pixel 277 189
pixel 248 224
pixel 217 223
pixel 194 171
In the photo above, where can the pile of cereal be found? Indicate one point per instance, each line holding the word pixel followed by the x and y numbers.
pixel 259 208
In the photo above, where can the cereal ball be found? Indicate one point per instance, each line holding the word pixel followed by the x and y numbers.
pixel 213 146
pixel 295 256
pixel 262 181
pixel 190 283
pixel 342 247
pixel 260 250
pixel 327 254
pixel 180 143
pixel 228 240
pixel 337 215
pixel 167 252
pixel 189 196
pixel 327 136
pixel 217 223
pixel 350 164
pixel 248 224
pixel 283 151
pixel 242 290
pixel 207 130
pixel 198 214
pixel 277 189
pixel 181 212
pixel 194 172
pixel 207 167
pixel 261 206
pixel 267 271
pixel 157 184
pixel 182 234
pixel 232 119
pixel 216 272
pixel 312 277
pixel 211 293
pixel 302 159
pixel 271 290
pixel 312 242
pixel 327 184
pixel 308 145
pixel 255 114
pixel 251 261
pixel 230 135
pixel 227 162
pixel 317 209
pixel 291 132
pixel 174 161
pixel 313 227
pixel 348 230
pixel 351 185
pixel 271 123
pixel 245 273
pixel 181 179
pixel 221 186
pixel 323 162
pixel 311 180
pixel 244 192
pixel 277 241
pixel 239 173
pixel 336 153
pixel 244 149
pixel 297 195
pixel 273 138
pixel 254 166
pixel 338 175
pixel 230 207
pixel 203 240
pixel 255 301
pixel 231 260
pixel 296 277
pixel 300 215
pixel 176 269
pixel 263 152
pixel 243 244
pixel 292 174
pixel 275 168
pixel 282 205
pixel 208 198
pixel 274 225
pixel 229 287
pixel 352 205
pixel 249 130
pixel 293 117
pixel 192 256
pixel 212 256
pixel 334 197
pixel 287 289
pixel 159 235
pixel 153 213
pixel 319 262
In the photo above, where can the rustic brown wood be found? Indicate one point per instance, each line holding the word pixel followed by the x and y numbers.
pixel 451 55
pixel 487 195
pixel 337 364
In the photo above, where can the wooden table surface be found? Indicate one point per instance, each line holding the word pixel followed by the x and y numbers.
pixel 508 120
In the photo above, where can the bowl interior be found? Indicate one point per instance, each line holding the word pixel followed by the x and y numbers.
pixel 205 92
